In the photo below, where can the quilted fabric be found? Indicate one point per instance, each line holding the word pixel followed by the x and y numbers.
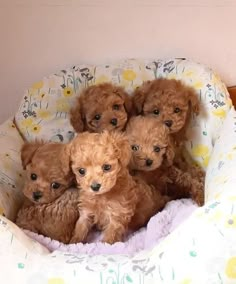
pixel 201 250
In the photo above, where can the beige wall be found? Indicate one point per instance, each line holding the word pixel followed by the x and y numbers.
pixel 41 36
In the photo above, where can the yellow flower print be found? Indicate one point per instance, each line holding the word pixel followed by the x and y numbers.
pixel 231 223
pixel 231 268
pixel 56 281
pixel 27 122
pixel 215 79
pixel 216 217
pixel 203 152
pixel 129 75
pixel 219 113
pixel 43 114
pixel 102 79
pixel 35 128
pixel 68 92
pixel 200 150
pixel 188 73
pixel 205 161
pixel 232 198
pixel 186 281
pixel 230 156
pixel 198 85
pixel 62 105
pixel 38 85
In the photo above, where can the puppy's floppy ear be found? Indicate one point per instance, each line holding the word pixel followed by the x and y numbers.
pixel 139 96
pixel 170 152
pixel 121 146
pixel 28 150
pixel 128 102
pixel 65 158
pixel 193 100
pixel 76 117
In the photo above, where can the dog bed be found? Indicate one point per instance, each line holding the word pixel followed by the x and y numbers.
pixel 201 250
pixel 159 226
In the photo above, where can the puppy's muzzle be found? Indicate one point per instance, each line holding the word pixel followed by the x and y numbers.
pixel 114 121
pixel 37 195
pixel 95 186
pixel 168 123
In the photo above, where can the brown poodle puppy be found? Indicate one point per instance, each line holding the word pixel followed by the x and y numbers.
pixel 153 154
pixel 51 209
pixel 170 101
pixel 101 107
pixel 110 197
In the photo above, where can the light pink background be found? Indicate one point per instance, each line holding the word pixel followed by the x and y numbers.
pixel 38 37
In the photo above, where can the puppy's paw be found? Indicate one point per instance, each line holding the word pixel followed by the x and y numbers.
pixel 111 239
pixel 198 195
pixel 77 239
pixel 199 199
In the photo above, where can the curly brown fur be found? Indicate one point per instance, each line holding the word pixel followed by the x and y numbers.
pixel 153 160
pixel 46 164
pixel 110 197
pixel 170 101
pixel 50 209
pixel 101 107
pixel 55 220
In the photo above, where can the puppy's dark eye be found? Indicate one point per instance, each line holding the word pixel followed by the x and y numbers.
pixel 156 111
pixel 33 176
pixel 106 167
pixel 177 110
pixel 156 149
pixel 82 171
pixel 135 147
pixel 55 185
pixel 97 116
pixel 116 107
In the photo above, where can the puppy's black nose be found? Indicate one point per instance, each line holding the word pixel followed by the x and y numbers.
pixel 95 186
pixel 114 121
pixel 37 195
pixel 149 162
pixel 168 123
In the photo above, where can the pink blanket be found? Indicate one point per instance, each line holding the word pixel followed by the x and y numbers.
pixel 157 228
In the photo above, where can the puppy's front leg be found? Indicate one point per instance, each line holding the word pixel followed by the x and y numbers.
pixel 27 218
pixel 82 228
pixel 114 233
pixel 196 188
